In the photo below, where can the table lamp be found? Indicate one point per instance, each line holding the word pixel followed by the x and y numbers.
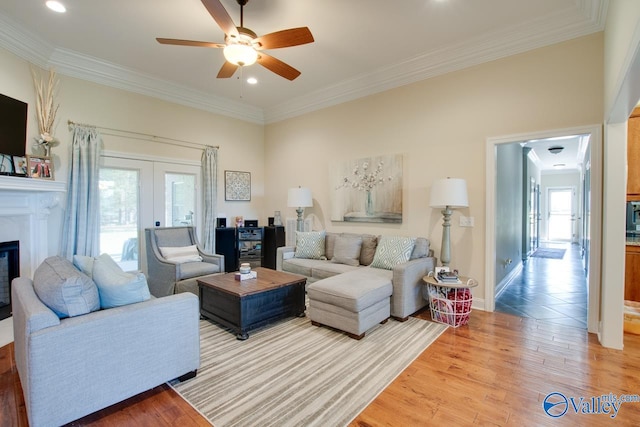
pixel 299 198
pixel 448 194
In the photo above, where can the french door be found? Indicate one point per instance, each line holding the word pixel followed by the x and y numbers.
pixel 138 194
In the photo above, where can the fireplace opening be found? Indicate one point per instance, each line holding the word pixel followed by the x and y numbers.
pixel 9 270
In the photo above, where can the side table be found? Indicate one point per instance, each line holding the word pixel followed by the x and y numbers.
pixel 450 303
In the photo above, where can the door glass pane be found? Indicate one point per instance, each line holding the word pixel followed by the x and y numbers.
pixel 119 201
pixel 560 224
pixel 180 199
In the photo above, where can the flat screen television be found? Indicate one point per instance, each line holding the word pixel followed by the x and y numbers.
pixel 13 126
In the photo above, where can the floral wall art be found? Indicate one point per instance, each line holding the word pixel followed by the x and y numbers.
pixel 367 189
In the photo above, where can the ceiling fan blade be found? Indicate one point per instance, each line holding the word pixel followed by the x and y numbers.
pixel 284 38
pixel 220 15
pixel 179 42
pixel 227 70
pixel 277 66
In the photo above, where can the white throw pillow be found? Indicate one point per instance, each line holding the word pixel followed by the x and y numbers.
pixel 117 287
pixel 310 244
pixel 180 254
pixel 393 250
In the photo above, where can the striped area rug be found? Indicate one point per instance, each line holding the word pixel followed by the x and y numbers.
pixel 295 374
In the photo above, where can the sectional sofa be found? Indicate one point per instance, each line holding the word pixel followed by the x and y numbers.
pixel 342 258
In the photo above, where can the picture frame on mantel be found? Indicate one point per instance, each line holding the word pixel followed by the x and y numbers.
pixel 237 186
pixel 6 164
pixel 20 166
pixel 40 167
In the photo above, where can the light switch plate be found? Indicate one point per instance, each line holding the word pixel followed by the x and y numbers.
pixel 466 221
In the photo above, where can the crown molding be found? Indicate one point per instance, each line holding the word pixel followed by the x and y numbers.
pixel 30 47
pixel 84 67
pixel 559 27
pixel 556 28
pixel 24 44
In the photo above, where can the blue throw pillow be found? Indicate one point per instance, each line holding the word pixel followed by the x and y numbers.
pixel 117 287
pixel 64 289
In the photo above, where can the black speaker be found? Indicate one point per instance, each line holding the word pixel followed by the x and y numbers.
pixel 226 245
pixel 221 222
pixel 273 238
pixel 270 221
pixel 250 222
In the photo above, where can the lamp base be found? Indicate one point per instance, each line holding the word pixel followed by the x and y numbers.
pixel 300 221
pixel 445 249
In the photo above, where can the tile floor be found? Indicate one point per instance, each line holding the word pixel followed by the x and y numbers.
pixel 550 290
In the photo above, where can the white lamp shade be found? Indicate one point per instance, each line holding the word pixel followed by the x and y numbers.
pixel 299 198
pixel 240 54
pixel 451 192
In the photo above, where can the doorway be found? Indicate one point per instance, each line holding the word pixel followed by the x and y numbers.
pixel 138 194
pixel 591 168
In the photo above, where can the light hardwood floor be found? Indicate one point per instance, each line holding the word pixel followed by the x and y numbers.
pixel 495 371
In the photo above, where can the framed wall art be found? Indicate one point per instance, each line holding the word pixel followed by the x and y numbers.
pixel 237 186
pixel 367 189
pixel 40 167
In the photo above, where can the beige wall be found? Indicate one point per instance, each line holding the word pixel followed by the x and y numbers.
pixel 241 143
pixel 441 126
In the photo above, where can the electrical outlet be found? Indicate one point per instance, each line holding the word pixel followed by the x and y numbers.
pixel 466 221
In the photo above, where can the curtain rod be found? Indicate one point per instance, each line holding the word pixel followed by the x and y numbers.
pixel 155 138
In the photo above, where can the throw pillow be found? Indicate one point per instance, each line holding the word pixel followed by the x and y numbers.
pixel 368 250
pixel 180 254
pixel 329 243
pixel 64 289
pixel 117 287
pixel 347 250
pixel 84 263
pixel 393 250
pixel 310 244
pixel 421 248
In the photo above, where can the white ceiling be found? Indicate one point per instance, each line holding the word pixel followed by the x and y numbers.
pixel 572 156
pixel 361 46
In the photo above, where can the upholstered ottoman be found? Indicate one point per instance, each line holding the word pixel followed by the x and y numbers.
pixel 352 302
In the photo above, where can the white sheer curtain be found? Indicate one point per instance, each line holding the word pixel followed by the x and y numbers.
pixel 210 190
pixel 81 229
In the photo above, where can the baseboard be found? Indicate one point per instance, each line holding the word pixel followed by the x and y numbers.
pixel 500 287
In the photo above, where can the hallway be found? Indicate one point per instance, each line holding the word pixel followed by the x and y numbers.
pixel 550 290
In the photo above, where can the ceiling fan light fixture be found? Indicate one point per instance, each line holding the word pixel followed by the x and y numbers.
pixel 555 149
pixel 240 54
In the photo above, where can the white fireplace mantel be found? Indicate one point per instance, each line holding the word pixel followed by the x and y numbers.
pixel 25 207
pixel 16 183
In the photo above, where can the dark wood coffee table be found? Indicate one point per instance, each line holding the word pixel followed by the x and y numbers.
pixel 249 304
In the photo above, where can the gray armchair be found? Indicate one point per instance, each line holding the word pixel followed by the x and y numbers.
pixel 166 277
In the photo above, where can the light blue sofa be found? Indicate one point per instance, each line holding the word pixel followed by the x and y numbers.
pixel 74 366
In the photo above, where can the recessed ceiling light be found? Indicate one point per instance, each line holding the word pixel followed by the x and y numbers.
pixel 252 80
pixel 56 6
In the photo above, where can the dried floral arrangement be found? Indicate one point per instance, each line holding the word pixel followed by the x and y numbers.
pixel 46 108
pixel 365 179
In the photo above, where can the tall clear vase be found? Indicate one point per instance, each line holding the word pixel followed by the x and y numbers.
pixel 369 204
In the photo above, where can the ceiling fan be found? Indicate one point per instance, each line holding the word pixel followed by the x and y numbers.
pixel 243 47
